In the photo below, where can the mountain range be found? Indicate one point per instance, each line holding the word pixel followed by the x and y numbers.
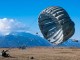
pixel 70 43
pixel 22 39
pixel 19 39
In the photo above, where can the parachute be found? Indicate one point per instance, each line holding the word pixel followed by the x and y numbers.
pixel 56 25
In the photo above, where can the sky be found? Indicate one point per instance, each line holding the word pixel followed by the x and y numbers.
pixel 25 12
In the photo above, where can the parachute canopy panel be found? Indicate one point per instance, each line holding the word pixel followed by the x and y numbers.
pixel 56 25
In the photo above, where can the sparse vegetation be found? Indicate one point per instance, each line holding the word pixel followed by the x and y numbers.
pixel 40 53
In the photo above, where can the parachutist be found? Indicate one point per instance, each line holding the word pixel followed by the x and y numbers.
pixel 37 33
pixel 5 54
pixel 74 40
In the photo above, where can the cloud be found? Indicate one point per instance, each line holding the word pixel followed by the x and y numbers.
pixel 10 25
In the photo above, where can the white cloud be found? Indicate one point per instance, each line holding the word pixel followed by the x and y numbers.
pixel 10 25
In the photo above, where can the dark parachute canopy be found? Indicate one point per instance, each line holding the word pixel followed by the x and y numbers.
pixel 56 25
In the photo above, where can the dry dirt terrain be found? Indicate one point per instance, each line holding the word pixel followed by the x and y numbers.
pixel 43 54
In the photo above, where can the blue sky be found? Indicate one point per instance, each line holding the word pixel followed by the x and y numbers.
pixel 27 11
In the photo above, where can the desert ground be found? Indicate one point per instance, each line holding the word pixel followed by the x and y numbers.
pixel 42 53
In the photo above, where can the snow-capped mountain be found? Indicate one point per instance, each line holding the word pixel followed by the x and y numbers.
pixel 19 39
